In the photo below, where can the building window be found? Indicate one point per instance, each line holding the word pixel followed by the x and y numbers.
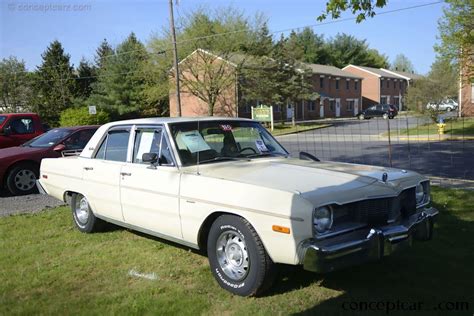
pixel 246 108
pixel 383 100
pixel 321 82
pixel 388 84
pixel 356 85
pixel 347 84
pixel 337 84
pixel 332 105
pixel 350 105
pixel 277 108
pixel 312 106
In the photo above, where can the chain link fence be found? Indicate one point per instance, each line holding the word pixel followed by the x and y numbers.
pixel 409 141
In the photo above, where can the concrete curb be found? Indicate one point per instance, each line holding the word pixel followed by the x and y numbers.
pixel 428 138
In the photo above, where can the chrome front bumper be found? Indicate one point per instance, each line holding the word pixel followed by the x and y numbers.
pixel 367 244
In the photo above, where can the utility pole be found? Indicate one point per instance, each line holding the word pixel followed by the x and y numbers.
pixel 175 54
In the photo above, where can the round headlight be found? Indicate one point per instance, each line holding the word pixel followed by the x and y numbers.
pixel 322 219
pixel 420 193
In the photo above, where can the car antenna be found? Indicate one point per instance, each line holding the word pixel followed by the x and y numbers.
pixel 197 164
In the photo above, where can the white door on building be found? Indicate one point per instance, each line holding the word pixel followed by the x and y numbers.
pixel 289 111
pixel 388 99
pixel 338 107
pixel 356 107
pixel 321 108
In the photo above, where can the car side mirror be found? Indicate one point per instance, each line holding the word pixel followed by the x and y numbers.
pixel 59 148
pixel 151 158
pixel 6 131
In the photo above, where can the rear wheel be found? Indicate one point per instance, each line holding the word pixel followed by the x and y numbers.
pixel 237 257
pixel 21 179
pixel 83 217
pixel 361 117
pixel 449 109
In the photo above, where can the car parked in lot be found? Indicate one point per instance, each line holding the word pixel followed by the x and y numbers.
pixel 447 105
pixel 386 111
pixel 18 128
pixel 227 187
pixel 19 166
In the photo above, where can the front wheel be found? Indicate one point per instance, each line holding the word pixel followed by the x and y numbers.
pixel 449 109
pixel 385 116
pixel 82 215
pixel 237 257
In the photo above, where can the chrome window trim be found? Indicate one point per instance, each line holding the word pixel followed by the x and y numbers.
pixel 164 134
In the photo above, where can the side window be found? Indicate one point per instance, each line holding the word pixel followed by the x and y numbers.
pixel 22 126
pixel 114 147
pixel 151 141
pixel 79 139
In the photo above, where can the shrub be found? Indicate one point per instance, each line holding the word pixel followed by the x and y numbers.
pixel 81 116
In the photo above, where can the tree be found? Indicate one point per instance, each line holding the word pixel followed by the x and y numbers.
pixel 361 8
pixel 441 82
pixel 119 86
pixel 54 83
pixel 456 30
pixel 308 46
pixel 102 53
pixel 15 86
pixel 86 73
pixel 402 63
pixel 345 49
pixel 200 29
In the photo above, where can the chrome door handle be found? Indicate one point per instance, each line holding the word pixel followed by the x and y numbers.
pixel 123 174
pixel 88 168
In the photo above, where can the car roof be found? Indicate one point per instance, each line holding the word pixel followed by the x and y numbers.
pixel 18 114
pixel 168 120
pixel 77 128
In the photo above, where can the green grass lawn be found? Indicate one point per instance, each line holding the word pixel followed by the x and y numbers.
pixel 457 127
pixel 288 128
pixel 48 267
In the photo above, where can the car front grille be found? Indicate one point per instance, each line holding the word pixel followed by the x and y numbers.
pixel 380 211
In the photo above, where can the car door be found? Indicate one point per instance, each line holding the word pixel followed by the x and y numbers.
pixel 150 192
pixel 370 111
pixel 378 110
pixel 101 174
pixel 21 129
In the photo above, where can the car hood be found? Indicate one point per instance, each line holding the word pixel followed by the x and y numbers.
pixel 14 151
pixel 333 180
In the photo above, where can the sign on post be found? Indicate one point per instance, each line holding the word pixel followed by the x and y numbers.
pixel 92 110
pixel 263 113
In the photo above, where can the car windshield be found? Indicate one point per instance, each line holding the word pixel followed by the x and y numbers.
pixel 49 138
pixel 213 141
pixel 2 119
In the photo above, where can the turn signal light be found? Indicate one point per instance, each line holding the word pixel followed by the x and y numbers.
pixel 281 229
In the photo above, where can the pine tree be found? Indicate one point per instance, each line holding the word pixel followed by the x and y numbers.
pixel 86 73
pixel 54 83
pixel 15 86
pixel 102 54
pixel 120 84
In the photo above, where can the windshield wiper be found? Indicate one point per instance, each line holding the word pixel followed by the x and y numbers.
pixel 222 158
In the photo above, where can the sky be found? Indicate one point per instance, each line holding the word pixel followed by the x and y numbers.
pixel 28 26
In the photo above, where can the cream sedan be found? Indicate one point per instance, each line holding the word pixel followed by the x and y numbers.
pixel 227 187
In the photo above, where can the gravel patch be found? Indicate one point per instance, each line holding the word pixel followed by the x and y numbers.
pixel 27 204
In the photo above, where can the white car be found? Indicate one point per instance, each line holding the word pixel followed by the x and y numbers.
pixel 226 186
pixel 445 105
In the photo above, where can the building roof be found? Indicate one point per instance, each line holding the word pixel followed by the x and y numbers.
pixel 331 70
pixel 404 74
pixel 375 71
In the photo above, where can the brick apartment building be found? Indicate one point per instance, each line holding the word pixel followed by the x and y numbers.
pixel 337 94
pixel 381 86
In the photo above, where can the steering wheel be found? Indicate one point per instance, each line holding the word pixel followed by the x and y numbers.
pixel 247 148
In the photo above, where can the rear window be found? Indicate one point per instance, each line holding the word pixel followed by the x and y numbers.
pixel 2 119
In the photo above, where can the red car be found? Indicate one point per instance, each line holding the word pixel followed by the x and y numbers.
pixel 19 166
pixel 18 128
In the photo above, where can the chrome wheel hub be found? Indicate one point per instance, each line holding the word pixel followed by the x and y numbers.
pixel 232 255
pixel 25 180
pixel 82 210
